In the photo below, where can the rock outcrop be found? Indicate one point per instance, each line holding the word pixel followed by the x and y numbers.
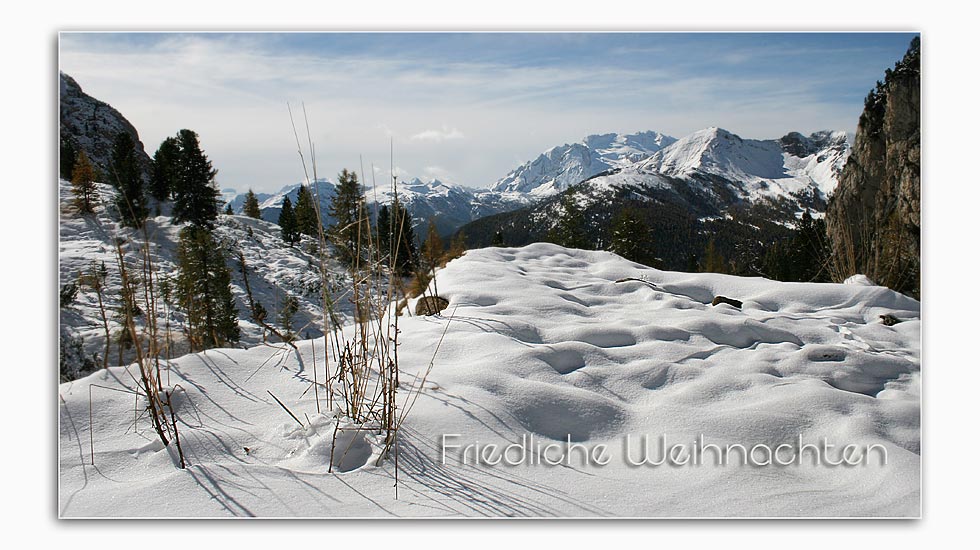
pixel 873 219
pixel 90 125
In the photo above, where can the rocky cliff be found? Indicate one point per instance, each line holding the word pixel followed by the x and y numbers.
pixel 90 125
pixel 873 219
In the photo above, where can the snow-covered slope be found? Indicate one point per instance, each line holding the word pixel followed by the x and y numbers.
pixel 560 167
pixel 274 270
pixel 542 346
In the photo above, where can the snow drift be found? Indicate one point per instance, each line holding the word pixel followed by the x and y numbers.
pixel 540 342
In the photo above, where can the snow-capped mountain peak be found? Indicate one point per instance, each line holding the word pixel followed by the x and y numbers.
pixel 718 151
pixel 782 167
pixel 560 167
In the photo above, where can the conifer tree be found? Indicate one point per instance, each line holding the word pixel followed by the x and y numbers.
pixel 95 279
pixel 289 308
pixel 83 184
pixel 128 181
pixel 433 249
pixel 67 157
pixel 306 222
pixel 166 170
pixel 228 210
pixel 196 195
pixel 457 247
pixel 251 208
pixel 287 222
pixel 629 235
pixel 570 229
pixel 714 261
pixel 350 224
pixel 203 290
pixel 498 238
pixel 404 250
pixel 801 258
pixel 383 230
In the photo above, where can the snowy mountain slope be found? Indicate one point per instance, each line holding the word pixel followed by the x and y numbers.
pixel 274 270
pixel 756 169
pixel 545 344
pixel 560 167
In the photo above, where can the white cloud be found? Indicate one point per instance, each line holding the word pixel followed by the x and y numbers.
pixel 439 173
pixel 442 134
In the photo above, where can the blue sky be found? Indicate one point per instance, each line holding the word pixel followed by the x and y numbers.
pixel 466 108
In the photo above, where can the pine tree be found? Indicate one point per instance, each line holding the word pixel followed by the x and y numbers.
pixel 457 247
pixel 802 257
pixel 498 239
pixel 570 230
pixel 228 210
pixel 251 208
pixel 289 308
pixel 287 222
pixel 346 208
pixel 67 157
pixel 404 250
pixel 166 170
pixel 83 184
pixel 433 249
pixel 203 289
pixel 306 222
pixel 196 195
pixel 714 261
pixel 383 231
pixel 811 248
pixel 630 236
pixel 128 181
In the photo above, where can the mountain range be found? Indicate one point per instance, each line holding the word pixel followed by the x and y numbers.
pixel 713 162
pixel 687 186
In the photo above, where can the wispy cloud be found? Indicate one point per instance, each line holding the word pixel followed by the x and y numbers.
pixel 442 134
pixel 439 173
pixel 515 95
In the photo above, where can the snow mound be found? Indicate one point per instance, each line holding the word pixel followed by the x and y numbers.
pixel 861 280
pixel 554 346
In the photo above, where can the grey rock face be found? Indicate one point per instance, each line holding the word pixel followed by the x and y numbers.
pixel 873 219
pixel 92 125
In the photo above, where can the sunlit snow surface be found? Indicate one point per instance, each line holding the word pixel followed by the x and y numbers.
pixel 542 342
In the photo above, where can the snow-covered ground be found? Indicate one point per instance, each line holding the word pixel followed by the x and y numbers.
pixel 542 346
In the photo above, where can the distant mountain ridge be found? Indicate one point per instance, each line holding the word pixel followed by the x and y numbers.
pixel 711 185
pixel 560 167
pixel 717 164
pixel 448 206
